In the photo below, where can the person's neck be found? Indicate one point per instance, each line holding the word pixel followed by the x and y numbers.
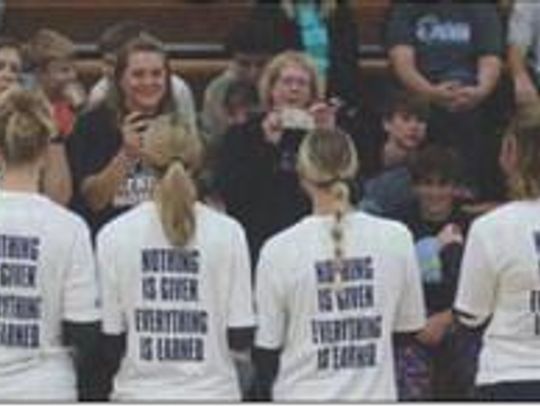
pixel 325 204
pixel 21 179
pixel 393 154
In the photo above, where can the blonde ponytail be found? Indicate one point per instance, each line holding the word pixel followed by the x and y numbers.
pixel 174 152
pixel 340 191
pixel 176 196
pixel 327 159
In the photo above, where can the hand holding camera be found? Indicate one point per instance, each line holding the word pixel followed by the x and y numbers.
pixel 134 127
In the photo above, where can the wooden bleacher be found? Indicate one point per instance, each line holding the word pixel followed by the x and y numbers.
pixel 194 30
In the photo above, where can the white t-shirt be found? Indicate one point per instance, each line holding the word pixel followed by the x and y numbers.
pixel 336 336
pixel 47 275
pixel 175 304
pixel 524 29
pixel 500 277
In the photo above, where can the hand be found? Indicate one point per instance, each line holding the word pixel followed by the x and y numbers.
pixel 272 127
pixel 525 91
pixel 468 97
pixel 451 233
pixel 324 114
pixel 436 327
pixel 75 94
pixel 133 129
pixel 445 93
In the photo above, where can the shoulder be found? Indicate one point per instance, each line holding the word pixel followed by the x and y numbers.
pixel 214 220
pixel 124 226
pixel 287 238
pixel 388 228
pixel 505 216
pixel 68 222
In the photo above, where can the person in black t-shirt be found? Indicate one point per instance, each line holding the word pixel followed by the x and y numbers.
pixel 106 149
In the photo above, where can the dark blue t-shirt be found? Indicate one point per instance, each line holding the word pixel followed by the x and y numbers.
pixel 448 37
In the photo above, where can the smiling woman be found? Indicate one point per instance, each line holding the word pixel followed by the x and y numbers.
pixel 108 145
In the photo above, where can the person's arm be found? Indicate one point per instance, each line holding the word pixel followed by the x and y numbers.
pixel 98 190
pixel 57 182
pixel 266 362
pixel 403 61
pixel 520 39
pixel 83 338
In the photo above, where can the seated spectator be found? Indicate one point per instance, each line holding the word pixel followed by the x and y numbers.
pixel 440 363
pixel 255 172
pixel 249 46
pixel 524 50
pixel 387 189
pixel 11 64
pixel 450 52
pixel 110 43
pixel 106 149
pixel 325 30
pixel 51 56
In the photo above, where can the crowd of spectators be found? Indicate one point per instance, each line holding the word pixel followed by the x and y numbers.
pixel 437 156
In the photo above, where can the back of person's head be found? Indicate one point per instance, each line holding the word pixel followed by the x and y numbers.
pixel 435 162
pixel 174 152
pixel 25 127
pixel 407 104
pixel 273 69
pixel 525 127
pixel 327 159
pixel 48 45
pixel 118 34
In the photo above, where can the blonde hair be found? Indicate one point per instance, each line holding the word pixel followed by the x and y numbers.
pixel 327 159
pixel 174 152
pixel 48 45
pixel 273 69
pixel 25 126
pixel 525 127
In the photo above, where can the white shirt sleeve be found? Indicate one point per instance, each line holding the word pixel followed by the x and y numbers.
pixel 270 302
pixel 183 97
pixel 521 24
pixel 113 319
pixel 241 298
pixel 411 312
pixel 477 280
pixel 81 297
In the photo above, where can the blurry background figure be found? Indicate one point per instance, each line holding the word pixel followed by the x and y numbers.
pixel 250 45
pixel 524 50
pixel 386 181
pixel 108 144
pixel 56 179
pixel 51 57
pixel 325 30
pixel 111 42
pixel 256 175
pixel 450 52
pixel 440 363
